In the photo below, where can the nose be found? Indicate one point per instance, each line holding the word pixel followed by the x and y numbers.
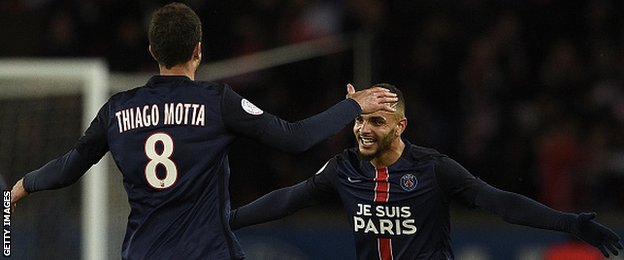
pixel 364 127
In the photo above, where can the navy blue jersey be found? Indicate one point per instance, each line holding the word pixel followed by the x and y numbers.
pixel 400 211
pixel 170 140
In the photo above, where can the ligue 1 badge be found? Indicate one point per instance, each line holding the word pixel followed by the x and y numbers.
pixel 251 108
pixel 409 182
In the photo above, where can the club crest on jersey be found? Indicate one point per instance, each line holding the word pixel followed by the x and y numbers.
pixel 251 108
pixel 409 182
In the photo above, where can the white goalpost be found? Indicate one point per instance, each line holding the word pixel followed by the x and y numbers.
pixel 93 76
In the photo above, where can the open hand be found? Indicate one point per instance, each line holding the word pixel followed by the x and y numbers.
pixel 596 234
pixel 373 99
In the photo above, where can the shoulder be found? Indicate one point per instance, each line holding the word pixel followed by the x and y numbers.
pixel 420 153
pixel 209 88
pixel 349 155
pixel 213 86
pixel 124 94
pixel 205 88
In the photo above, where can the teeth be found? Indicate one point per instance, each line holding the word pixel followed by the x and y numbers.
pixel 367 140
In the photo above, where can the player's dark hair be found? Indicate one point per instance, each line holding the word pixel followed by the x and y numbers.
pixel 401 101
pixel 173 32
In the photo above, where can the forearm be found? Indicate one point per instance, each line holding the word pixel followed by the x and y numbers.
pixel 274 205
pixel 518 209
pixel 302 135
pixel 57 173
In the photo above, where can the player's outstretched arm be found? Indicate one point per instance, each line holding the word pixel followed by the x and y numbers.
pixel 372 99
pixel 18 192
pixel 58 173
pixel 518 209
pixel 592 232
pixel 272 206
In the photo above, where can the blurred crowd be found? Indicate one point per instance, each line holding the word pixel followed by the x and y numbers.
pixel 528 95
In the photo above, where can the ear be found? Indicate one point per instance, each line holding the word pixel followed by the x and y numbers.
pixel 154 56
pixel 197 52
pixel 151 52
pixel 401 125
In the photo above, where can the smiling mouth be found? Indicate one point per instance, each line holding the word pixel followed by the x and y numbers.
pixel 367 141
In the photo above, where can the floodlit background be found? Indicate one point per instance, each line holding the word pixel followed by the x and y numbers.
pixel 528 95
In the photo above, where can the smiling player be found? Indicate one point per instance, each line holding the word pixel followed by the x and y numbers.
pixel 396 196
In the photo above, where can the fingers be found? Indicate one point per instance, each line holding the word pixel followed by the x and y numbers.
pixel 384 95
pixel 350 89
pixel 616 244
pixel 388 108
pixel 613 237
pixel 611 242
pixel 18 192
pixel 612 249
pixel 373 99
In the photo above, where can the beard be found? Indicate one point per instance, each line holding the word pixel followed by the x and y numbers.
pixel 383 145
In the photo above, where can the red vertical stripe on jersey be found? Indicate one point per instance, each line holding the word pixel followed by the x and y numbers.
pixel 385 248
pixel 382 190
pixel 381 185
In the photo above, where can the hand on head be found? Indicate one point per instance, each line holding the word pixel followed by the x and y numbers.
pixel 373 99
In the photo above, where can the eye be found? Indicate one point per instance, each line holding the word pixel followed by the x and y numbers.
pixel 359 120
pixel 378 121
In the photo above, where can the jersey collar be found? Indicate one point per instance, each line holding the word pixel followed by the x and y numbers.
pixel 167 79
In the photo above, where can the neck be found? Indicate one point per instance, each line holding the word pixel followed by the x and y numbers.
pixel 391 155
pixel 184 69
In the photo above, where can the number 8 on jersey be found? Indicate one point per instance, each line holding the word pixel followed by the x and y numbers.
pixel 171 171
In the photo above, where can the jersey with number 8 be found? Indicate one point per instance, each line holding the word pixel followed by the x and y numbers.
pixel 171 172
pixel 170 139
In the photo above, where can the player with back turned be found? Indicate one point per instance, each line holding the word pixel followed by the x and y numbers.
pixel 170 139
pixel 396 196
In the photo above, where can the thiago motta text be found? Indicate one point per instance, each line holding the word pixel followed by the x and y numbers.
pixel 150 115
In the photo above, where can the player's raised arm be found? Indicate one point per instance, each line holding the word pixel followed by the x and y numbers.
pixel 249 120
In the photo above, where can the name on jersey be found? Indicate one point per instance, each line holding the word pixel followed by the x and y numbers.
pixel 389 220
pixel 150 115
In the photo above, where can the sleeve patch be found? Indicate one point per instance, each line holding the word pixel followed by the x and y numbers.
pixel 250 108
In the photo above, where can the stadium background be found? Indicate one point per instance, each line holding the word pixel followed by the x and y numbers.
pixel 528 95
